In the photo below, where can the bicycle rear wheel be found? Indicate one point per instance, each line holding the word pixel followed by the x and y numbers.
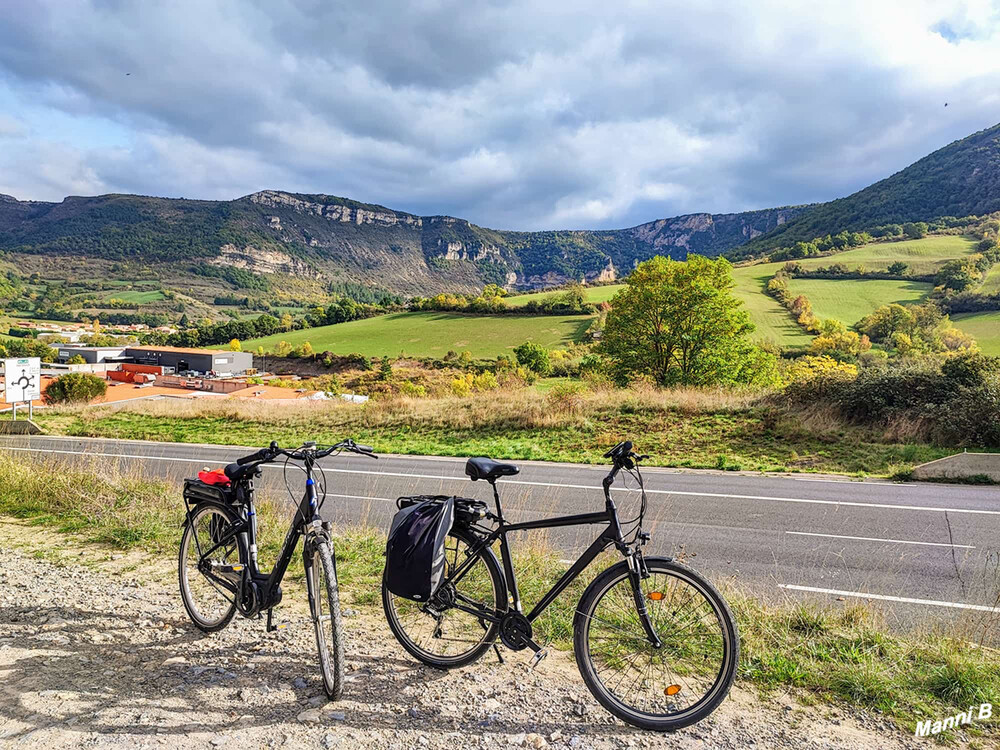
pixel 321 583
pixel 663 688
pixel 209 603
pixel 437 633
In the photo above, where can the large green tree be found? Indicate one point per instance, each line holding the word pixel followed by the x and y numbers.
pixel 679 323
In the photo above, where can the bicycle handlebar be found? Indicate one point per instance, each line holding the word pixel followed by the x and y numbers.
pixel 264 455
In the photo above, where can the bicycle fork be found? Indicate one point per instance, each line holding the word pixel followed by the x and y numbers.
pixel 637 571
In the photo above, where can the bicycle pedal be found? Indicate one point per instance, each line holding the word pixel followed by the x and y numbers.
pixel 538 658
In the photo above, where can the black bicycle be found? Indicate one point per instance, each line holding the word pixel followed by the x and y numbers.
pixel 217 564
pixel 655 642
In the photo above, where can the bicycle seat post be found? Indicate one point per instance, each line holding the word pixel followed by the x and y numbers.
pixel 496 498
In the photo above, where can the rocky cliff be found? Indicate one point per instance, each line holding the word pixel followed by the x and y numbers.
pixel 325 239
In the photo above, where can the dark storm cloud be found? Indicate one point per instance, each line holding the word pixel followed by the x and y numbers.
pixel 514 115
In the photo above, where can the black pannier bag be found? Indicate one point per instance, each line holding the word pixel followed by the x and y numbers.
pixel 415 551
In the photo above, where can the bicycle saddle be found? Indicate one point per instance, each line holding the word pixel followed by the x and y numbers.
pixel 488 469
pixel 236 472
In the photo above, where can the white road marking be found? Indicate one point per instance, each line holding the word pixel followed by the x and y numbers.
pixel 883 597
pixel 877 539
pixel 847 503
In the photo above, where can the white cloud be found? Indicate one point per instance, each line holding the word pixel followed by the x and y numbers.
pixel 526 115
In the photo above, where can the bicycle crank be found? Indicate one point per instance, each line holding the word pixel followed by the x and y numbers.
pixel 515 632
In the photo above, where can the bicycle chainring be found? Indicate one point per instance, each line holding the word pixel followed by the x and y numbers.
pixel 515 631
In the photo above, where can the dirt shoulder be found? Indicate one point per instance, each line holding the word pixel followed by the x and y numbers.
pixel 96 651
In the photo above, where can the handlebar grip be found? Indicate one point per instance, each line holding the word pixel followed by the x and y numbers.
pixel 363 448
pixel 258 456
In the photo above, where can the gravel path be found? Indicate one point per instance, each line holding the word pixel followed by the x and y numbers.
pixel 91 657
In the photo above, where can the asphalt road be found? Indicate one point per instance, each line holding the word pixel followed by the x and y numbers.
pixel 922 552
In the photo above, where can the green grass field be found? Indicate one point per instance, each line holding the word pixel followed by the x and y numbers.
pixel 831 298
pixel 922 256
pixel 591 294
pixel 991 284
pixel 774 323
pixel 138 297
pixel 432 334
pixel 984 327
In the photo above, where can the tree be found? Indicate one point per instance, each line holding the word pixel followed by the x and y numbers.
pixel 283 349
pixel 235 345
pixel 74 387
pixel 679 323
pixel 915 230
pixel 76 359
pixel 533 356
pixel 898 268
pixel 286 321
pixel 183 322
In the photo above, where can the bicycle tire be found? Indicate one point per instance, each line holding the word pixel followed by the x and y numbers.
pixel 184 580
pixel 331 655
pixel 661 569
pixel 490 630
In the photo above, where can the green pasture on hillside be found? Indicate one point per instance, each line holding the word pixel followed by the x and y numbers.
pixel 991 284
pixel 433 334
pixel 138 297
pixel 774 323
pixel 922 256
pixel 984 327
pixel 590 294
pixel 849 300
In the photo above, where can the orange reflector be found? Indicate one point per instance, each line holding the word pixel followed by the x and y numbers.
pixel 672 690
pixel 655 595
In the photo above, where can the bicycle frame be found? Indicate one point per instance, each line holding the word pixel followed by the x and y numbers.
pixel 266 586
pixel 610 536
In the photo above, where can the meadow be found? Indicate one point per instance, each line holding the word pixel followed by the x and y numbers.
pixel 984 327
pixel 433 334
pixel 831 298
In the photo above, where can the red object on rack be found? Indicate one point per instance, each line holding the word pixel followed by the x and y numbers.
pixel 215 476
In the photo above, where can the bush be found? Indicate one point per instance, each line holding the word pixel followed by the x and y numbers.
pixel 413 390
pixel 485 381
pixel 971 368
pixel 533 356
pixel 462 385
pixel 567 398
pixel 76 359
pixel 74 387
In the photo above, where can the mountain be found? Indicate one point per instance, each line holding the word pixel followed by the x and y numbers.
pixel 961 179
pixel 320 240
pixel 286 246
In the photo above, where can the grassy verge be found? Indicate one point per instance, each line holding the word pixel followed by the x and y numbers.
pixel 847 654
pixel 682 428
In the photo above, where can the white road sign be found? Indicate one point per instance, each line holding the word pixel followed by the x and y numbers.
pixel 22 379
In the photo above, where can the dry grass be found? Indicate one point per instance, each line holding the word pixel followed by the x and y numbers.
pixel 522 407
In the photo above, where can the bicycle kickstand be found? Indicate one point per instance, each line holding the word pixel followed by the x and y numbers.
pixel 271 627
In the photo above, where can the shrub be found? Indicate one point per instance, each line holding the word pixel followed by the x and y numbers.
pixel 385 373
pixel 566 397
pixel 462 385
pixel 413 390
pixel 485 381
pixel 971 368
pixel 813 366
pixel 533 356
pixel 74 387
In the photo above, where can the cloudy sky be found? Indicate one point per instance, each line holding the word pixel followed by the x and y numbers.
pixel 522 115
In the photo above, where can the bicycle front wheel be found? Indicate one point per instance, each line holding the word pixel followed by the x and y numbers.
pixel 324 607
pixel 664 688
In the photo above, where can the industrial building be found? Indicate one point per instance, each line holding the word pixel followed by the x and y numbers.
pixel 170 358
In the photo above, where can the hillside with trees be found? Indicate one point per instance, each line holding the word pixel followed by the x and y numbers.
pixel 959 180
